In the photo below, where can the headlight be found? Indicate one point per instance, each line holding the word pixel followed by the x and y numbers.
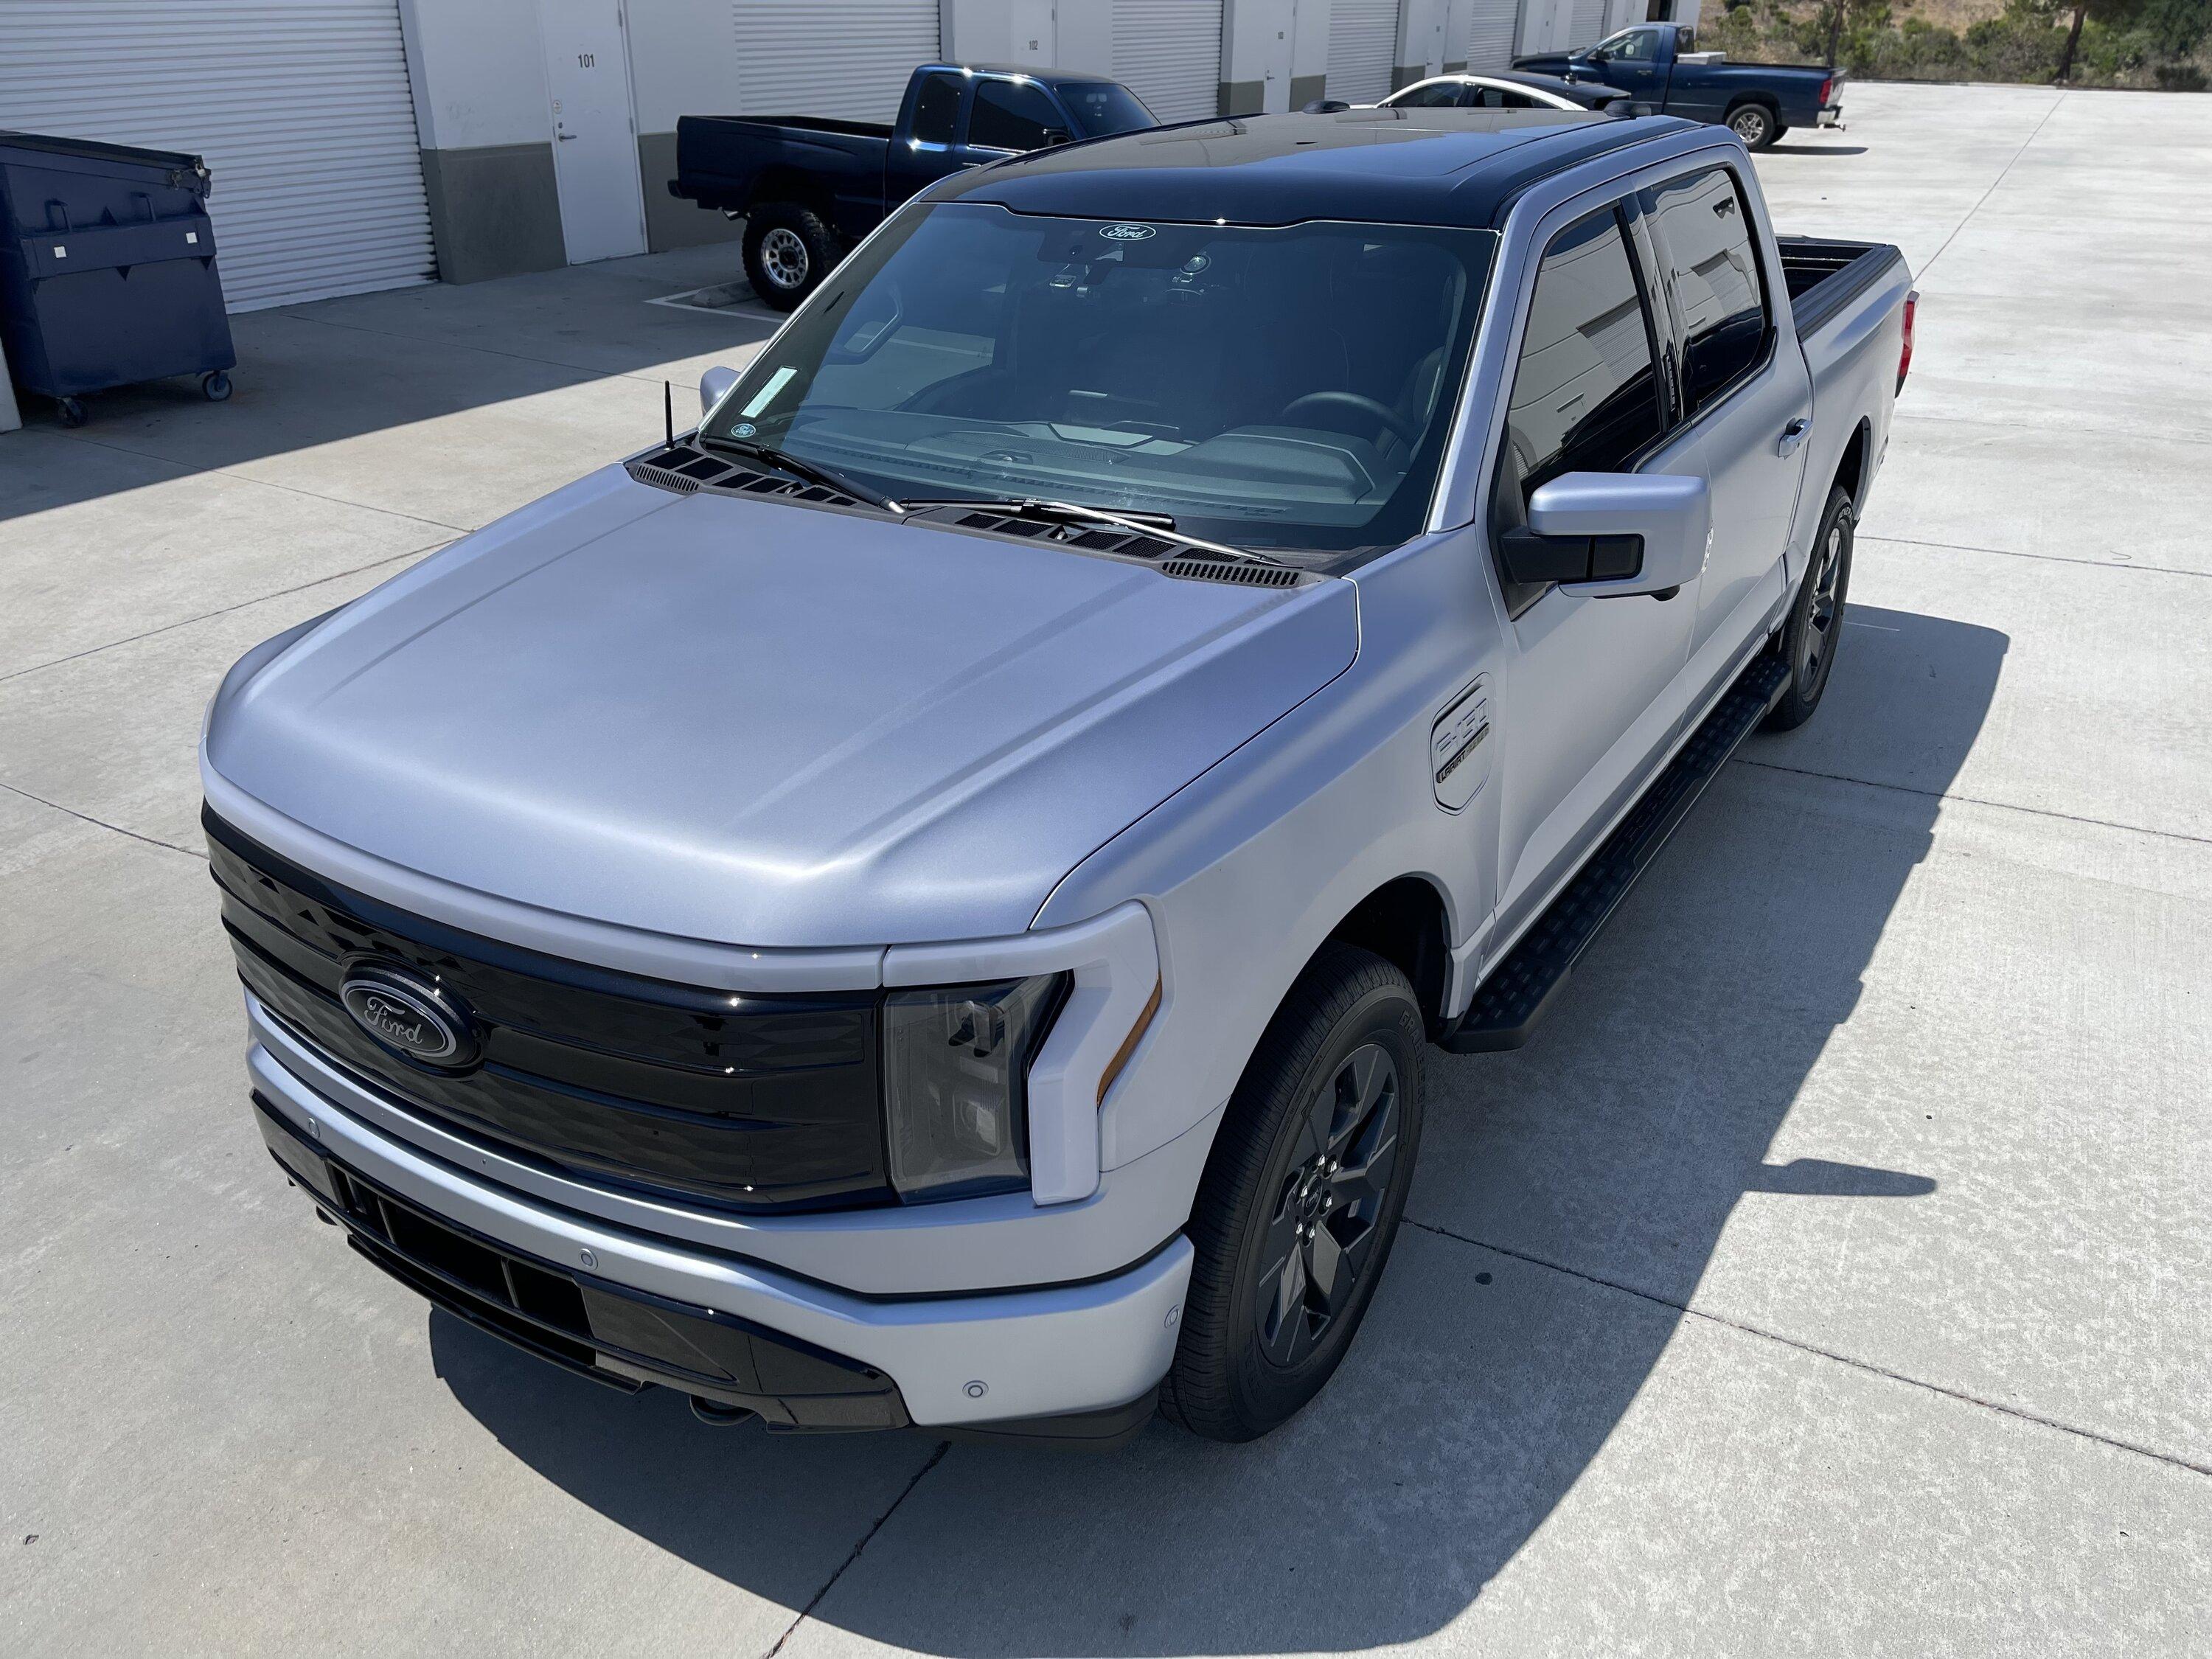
pixel 956 1074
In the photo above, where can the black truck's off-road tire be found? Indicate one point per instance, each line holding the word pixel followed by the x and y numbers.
pixel 1815 627
pixel 1301 1198
pixel 1755 124
pixel 788 249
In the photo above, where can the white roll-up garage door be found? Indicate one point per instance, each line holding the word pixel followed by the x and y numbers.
pixel 850 59
pixel 1589 26
pixel 1490 33
pixel 1363 43
pixel 301 109
pixel 1169 53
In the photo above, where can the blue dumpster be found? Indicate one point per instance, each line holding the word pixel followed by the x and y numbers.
pixel 108 271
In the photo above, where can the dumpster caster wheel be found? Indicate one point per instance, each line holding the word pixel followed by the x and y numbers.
pixel 73 411
pixel 215 386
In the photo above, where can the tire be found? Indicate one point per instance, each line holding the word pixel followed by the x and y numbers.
pixel 1755 124
pixel 1309 1177
pixel 72 410
pixel 215 385
pixel 1810 637
pixel 788 249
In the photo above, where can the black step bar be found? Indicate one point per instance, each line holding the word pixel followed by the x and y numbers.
pixel 1508 1004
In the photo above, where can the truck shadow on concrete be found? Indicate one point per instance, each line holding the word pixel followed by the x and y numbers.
pixel 1570 1200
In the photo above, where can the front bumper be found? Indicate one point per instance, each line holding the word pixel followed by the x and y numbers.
pixel 820 1356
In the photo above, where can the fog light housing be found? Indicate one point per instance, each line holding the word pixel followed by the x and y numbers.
pixel 956 1084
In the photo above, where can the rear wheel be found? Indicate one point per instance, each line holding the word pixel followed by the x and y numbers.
pixel 72 410
pixel 1301 1198
pixel 1755 124
pixel 1815 627
pixel 788 249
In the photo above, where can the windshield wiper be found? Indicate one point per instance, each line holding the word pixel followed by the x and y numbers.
pixel 813 472
pixel 1143 524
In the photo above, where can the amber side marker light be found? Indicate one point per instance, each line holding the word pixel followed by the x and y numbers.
pixel 1129 1043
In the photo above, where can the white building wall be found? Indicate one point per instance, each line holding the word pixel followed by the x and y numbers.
pixel 479 73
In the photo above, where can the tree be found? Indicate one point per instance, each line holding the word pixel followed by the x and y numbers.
pixel 2173 26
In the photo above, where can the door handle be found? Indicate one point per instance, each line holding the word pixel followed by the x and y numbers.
pixel 564 137
pixel 1792 435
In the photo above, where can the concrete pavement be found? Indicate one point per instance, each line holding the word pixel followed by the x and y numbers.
pixel 1829 1277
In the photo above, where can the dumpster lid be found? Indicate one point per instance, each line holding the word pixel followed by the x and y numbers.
pixel 173 167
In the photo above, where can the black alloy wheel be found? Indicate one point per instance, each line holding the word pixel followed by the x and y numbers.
pixel 1322 1235
pixel 1301 1198
pixel 1814 633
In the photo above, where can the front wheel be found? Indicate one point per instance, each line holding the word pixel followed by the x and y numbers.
pixel 1755 124
pixel 1815 627
pixel 1301 1199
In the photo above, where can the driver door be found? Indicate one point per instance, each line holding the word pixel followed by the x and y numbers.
pixel 1596 685
pixel 1631 61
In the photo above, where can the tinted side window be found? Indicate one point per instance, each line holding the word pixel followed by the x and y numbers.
pixel 937 110
pixel 1442 95
pixel 1705 234
pixel 1585 396
pixel 1011 115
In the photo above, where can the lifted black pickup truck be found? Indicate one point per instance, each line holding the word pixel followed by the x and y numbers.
pixel 808 188
pixel 1659 67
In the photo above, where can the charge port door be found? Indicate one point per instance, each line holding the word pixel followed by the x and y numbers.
pixel 1460 746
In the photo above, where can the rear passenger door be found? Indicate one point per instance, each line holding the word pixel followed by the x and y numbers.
pixel 1748 400
pixel 1596 687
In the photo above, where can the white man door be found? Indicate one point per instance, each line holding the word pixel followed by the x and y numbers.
pixel 594 137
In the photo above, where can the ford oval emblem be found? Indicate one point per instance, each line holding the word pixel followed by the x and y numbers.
pixel 407 1014
pixel 1126 232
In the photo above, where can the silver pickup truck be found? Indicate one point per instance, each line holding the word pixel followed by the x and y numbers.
pixel 927 900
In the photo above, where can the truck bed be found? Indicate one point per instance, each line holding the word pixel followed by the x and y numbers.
pixel 721 158
pixel 1825 275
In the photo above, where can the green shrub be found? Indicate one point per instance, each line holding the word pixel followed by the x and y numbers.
pixel 2124 42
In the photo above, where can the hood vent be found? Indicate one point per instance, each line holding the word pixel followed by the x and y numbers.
pixel 1231 570
pixel 685 469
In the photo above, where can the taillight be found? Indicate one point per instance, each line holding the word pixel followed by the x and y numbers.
pixel 1904 356
pixel 1826 87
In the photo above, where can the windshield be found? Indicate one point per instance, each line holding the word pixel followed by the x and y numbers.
pixel 1101 108
pixel 1281 388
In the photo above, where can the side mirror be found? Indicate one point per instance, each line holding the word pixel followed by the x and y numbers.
pixel 712 385
pixel 1054 136
pixel 1605 535
pixel 1326 106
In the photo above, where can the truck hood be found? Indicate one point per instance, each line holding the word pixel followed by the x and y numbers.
pixel 756 724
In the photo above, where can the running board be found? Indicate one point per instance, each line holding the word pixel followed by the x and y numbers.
pixel 1508 1004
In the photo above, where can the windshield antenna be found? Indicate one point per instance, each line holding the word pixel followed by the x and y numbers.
pixel 668 411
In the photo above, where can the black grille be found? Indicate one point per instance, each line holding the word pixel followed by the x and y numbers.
pixel 755 1102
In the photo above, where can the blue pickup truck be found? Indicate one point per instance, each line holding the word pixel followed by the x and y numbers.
pixel 809 187
pixel 1661 68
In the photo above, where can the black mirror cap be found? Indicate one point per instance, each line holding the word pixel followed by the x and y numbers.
pixel 1536 560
